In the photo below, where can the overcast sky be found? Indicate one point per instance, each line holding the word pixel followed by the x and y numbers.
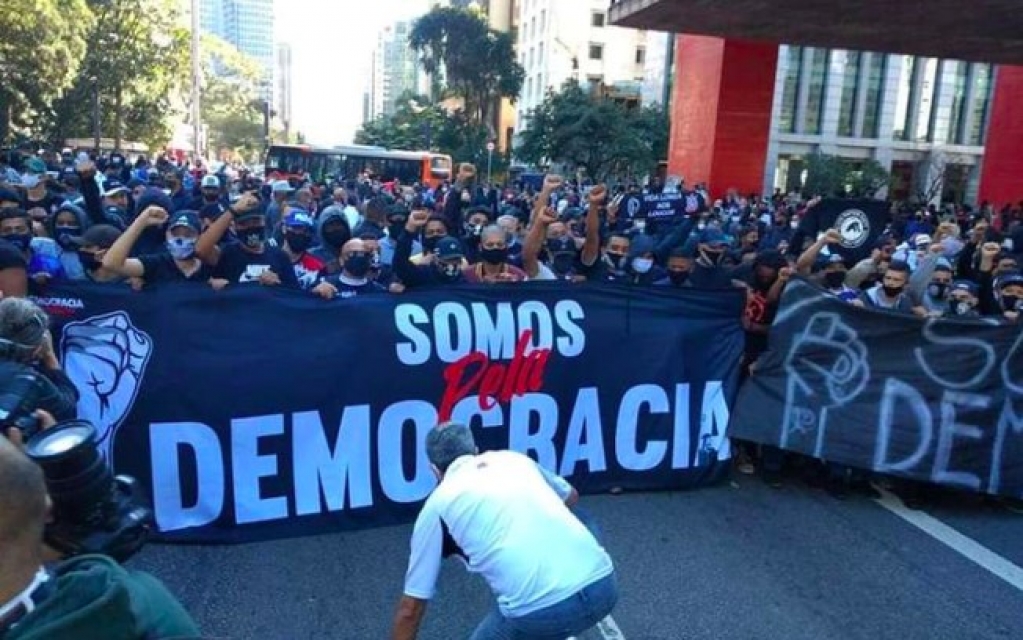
pixel 332 46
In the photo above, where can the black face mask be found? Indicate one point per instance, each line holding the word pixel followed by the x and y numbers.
pixel 678 277
pixel 358 264
pixel 617 261
pixel 395 228
pixel 449 271
pixel 298 242
pixel 834 279
pixel 1011 303
pixel 66 234
pixel 892 292
pixel 253 237
pixel 336 237
pixel 89 260
pixel 938 290
pixel 494 256
pixel 961 308
pixel 429 244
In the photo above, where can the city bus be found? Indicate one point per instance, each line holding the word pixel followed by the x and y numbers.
pixel 301 162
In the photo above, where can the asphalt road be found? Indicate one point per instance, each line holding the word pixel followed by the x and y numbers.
pixel 742 561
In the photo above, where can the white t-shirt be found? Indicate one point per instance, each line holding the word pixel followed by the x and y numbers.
pixel 506 517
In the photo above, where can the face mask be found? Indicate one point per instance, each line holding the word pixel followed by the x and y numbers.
pixel 642 265
pixel 472 230
pixel 938 291
pixel 394 230
pixel 794 224
pixel 892 292
pixel 357 264
pixel 334 237
pixel 253 236
pixel 20 240
pixel 30 181
pixel 713 257
pixel 962 308
pixel 494 256
pixel 181 248
pixel 298 242
pixel 89 261
pixel 678 278
pixel 66 235
pixel 429 244
pixel 449 270
pixel 616 260
pixel 834 279
pixel 1011 303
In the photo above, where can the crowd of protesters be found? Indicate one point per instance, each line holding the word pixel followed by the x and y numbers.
pixel 68 218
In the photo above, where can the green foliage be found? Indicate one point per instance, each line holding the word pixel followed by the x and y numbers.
pixel 230 99
pixel 829 175
pixel 41 45
pixel 137 54
pixel 476 62
pixel 419 126
pixel 598 134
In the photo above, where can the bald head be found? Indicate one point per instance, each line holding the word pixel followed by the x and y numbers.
pixel 355 245
pixel 22 498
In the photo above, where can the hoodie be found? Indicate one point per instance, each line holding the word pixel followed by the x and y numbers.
pixel 68 254
pixel 94 597
pixel 325 250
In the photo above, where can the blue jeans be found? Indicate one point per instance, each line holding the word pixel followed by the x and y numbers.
pixel 572 616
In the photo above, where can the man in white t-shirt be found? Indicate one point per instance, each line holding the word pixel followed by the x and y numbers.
pixel 508 519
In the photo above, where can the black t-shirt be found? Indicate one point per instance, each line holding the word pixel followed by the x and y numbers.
pixel 350 290
pixel 49 203
pixel 10 257
pixel 160 267
pixel 237 265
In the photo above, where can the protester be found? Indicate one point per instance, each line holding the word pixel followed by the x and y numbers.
pixel 178 263
pixel 509 519
pixel 356 260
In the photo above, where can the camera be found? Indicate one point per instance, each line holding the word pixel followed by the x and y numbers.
pixel 94 511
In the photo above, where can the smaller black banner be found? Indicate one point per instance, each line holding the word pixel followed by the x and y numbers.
pixel 938 401
pixel 861 223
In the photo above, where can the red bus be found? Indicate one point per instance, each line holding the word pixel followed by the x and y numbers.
pixel 320 164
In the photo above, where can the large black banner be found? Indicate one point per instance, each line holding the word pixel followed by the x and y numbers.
pixel 256 413
pixel 939 401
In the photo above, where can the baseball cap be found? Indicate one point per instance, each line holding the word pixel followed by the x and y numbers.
pixel 98 235
pixel 1009 279
pixel 299 218
pixel 282 186
pixel 113 187
pixel 210 182
pixel 116 160
pixel 34 166
pixel 922 239
pixel 449 248
pixel 6 195
pixel 966 285
pixel 713 236
pixel 188 219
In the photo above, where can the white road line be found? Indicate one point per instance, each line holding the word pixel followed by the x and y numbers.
pixel 964 546
pixel 609 629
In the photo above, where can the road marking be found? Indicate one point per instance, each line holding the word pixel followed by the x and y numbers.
pixel 963 545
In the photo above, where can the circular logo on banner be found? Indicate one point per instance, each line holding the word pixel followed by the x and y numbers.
pixel 854 225
pixel 633 205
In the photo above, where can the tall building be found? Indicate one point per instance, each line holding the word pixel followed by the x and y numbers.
pixel 559 41
pixel 923 119
pixel 658 68
pixel 395 70
pixel 284 92
pixel 249 26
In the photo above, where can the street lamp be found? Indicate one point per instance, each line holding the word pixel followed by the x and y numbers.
pixel 490 159
pixel 97 133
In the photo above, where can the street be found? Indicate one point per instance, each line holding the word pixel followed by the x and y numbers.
pixel 740 561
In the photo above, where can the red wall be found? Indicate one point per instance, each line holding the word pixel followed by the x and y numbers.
pixel 1001 178
pixel 721 112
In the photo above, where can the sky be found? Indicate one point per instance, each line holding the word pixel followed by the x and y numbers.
pixel 332 50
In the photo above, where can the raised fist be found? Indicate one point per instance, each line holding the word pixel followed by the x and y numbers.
pixel 106 357
pixel 597 195
pixel 828 362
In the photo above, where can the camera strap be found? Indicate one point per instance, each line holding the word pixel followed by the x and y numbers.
pixel 12 612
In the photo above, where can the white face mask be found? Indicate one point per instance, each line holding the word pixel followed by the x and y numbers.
pixel 30 180
pixel 642 265
pixel 794 224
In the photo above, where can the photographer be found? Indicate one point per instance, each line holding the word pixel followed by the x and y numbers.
pixel 89 596
pixel 26 347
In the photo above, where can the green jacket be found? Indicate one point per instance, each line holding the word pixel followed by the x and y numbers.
pixel 97 599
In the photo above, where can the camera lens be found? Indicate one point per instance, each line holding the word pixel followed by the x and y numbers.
pixel 77 476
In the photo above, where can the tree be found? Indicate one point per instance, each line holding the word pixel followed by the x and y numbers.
pixel 599 134
pixel 40 49
pixel 829 175
pixel 476 62
pixel 230 101
pixel 930 175
pixel 136 60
